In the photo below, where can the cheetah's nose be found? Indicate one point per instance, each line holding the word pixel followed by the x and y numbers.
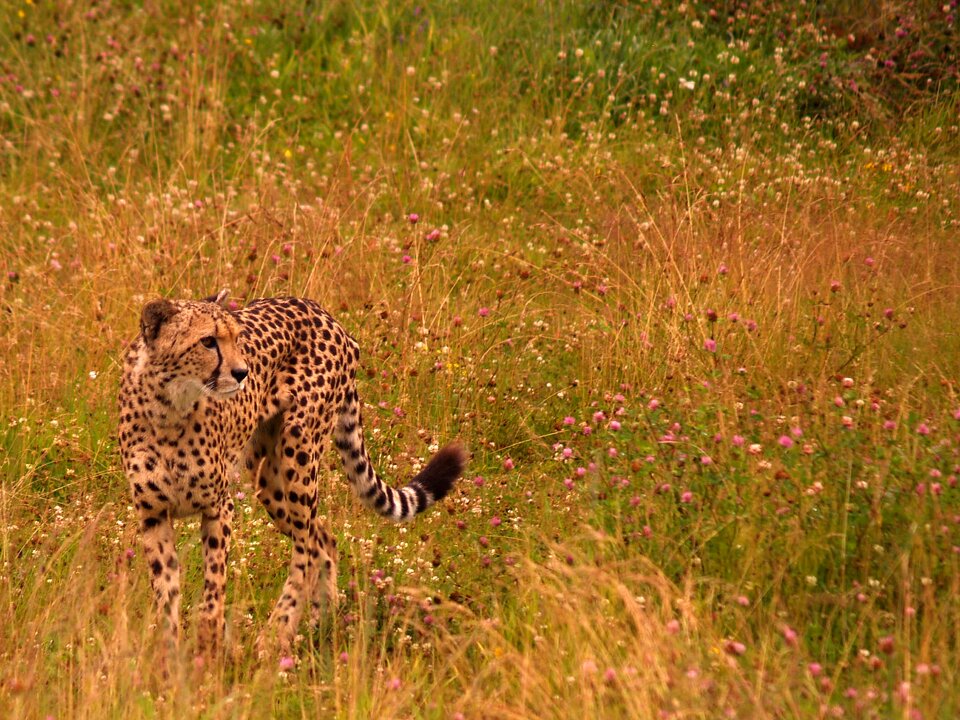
pixel 239 374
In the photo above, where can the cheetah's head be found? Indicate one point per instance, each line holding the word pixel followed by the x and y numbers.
pixel 193 345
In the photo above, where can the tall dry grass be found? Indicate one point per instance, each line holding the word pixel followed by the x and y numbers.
pixel 701 342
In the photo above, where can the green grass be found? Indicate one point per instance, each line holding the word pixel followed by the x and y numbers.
pixel 731 231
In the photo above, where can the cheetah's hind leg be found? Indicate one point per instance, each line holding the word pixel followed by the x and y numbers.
pixel 324 591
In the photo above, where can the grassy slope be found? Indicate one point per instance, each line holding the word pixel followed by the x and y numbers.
pixel 710 325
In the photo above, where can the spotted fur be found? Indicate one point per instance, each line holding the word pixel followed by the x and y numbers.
pixel 205 392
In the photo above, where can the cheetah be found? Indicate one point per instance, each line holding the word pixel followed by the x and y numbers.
pixel 206 392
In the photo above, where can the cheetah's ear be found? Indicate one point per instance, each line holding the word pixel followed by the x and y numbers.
pixel 155 314
pixel 220 298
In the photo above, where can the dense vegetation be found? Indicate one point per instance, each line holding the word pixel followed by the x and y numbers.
pixel 682 276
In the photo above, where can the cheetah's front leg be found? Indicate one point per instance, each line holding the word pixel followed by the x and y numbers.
pixel 215 534
pixel 160 550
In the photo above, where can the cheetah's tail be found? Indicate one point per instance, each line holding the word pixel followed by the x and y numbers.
pixel 427 487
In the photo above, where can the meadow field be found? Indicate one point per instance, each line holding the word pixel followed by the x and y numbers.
pixel 683 277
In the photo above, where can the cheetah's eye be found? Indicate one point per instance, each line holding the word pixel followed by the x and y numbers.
pixel 209 342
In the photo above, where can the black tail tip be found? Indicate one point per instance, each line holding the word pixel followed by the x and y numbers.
pixel 442 471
